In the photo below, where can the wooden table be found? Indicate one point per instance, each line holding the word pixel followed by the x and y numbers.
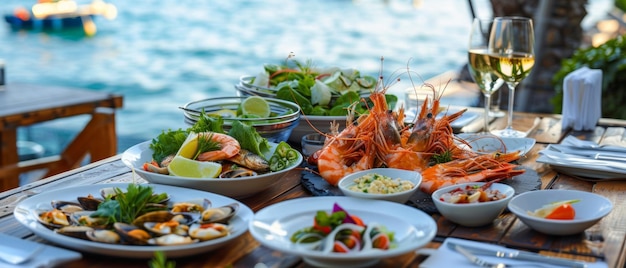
pixel 24 104
pixel 506 230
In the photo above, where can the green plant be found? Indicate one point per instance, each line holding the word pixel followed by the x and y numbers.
pixel 610 57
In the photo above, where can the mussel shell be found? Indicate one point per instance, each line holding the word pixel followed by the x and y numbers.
pixel 84 218
pixel 131 234
pixel 171 239
pixel 104 236
pixel 154 216
pixel 221 214
pixel 197 205
pixel 89 202
pixel 66 206
pixel 74 231
pixel 238 173
pixel 61 219
pixel 204 232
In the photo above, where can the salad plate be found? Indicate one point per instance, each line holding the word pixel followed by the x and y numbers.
pixel 274 225
pixel 487 143
pixel 135 156
pixel 24 214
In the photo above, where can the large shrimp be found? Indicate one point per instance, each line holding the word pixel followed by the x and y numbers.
pixel 480 168
pixel 348 152
pixel 229 147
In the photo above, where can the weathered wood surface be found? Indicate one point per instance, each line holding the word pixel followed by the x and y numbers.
pixel 603 241
pixel 23 105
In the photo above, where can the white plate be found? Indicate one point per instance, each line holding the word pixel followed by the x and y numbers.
pixel 583 170
pixel 135 156
pixel 273 226
pixel 24 215
pixel 482 143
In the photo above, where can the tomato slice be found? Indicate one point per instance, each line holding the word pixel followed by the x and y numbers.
pixel 562 212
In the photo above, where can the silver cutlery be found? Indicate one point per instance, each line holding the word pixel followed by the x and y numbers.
pixel 476 260
pixel 567 159
pixel 517 255
pixel 10 255
pixel 582 144
pixel 591 153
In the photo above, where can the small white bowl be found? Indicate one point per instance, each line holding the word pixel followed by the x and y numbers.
pixel 488 143
pixel 473 214
pixel 589 210
pixel 401 197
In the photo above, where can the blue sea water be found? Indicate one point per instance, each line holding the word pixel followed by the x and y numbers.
pixel 162 54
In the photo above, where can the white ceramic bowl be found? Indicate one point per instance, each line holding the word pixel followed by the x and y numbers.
pixel 135 156
pixel 276 128
pixel 589 210
pixel 401 197
pixel 473 214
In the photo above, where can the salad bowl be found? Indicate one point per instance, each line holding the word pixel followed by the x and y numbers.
pixel 135 156
pixel 274 225
pixel 589 209
pixel 284 117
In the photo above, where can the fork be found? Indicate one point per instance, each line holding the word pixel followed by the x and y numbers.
pixel 19 259
pixel 478 261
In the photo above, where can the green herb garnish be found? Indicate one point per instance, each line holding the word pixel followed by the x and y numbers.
pixel 126 206
pixel 167 143
pixel 160 261
pixel 442 157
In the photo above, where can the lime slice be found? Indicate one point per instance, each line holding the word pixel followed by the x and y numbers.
pixel 189 147
pixel 185 167
pixel 255 105
pixel 225 113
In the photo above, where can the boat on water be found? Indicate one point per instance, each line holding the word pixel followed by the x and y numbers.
pixel 61 14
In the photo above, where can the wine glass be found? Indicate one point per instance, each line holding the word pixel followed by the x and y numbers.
pixel 478 63
pixel 512 57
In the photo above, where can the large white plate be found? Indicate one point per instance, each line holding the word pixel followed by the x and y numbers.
pixel 583 170
pixel 24 215
pixel 273 226
pixel 486 143
pixel 135 156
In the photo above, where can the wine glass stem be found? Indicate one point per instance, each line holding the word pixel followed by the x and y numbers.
pixel 509 123
pixel 487 108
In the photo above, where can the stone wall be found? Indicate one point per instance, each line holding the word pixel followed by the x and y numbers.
pixel 558 34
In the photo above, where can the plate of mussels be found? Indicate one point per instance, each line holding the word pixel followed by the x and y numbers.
pixel 135 220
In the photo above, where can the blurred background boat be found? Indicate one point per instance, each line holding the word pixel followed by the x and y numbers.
pixel 61 14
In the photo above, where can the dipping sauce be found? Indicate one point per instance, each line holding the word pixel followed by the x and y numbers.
pixel 374 183
pixel 471 194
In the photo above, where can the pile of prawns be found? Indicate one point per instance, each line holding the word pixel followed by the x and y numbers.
pixel 381 138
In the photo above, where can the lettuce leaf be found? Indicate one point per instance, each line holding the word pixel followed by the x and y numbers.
pixel 249 138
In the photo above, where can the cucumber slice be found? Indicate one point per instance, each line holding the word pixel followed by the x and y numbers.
pixel 320 93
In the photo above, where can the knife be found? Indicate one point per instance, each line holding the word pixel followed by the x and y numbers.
pixel 592 153
pixel 519 255
pixel 569 159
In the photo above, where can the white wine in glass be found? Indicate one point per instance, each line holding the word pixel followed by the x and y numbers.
pixel 479 64
pixel 512 57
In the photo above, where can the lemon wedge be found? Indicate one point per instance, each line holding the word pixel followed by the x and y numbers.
pixel 185 167
pixel 190 146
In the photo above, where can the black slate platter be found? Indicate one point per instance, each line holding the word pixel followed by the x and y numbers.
pixel 317 186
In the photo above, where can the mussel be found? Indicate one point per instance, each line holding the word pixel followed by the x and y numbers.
pixel 221 214
pixel 154 216
pixel 131 234
pixel 54 219
pixel 74 231
pixel 66 206
pixel 171 239
pixel 208 231
pixel 89 202
pixel 191 206
pixel 104 236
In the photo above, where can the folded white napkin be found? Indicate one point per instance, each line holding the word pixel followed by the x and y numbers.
pixel 447 257
pixel 582 99
pixel 50 256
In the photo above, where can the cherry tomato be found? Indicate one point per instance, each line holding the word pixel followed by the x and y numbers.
pixel 562 212
pixel 323 229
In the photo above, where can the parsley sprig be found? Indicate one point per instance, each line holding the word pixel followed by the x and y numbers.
pixel 126 206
